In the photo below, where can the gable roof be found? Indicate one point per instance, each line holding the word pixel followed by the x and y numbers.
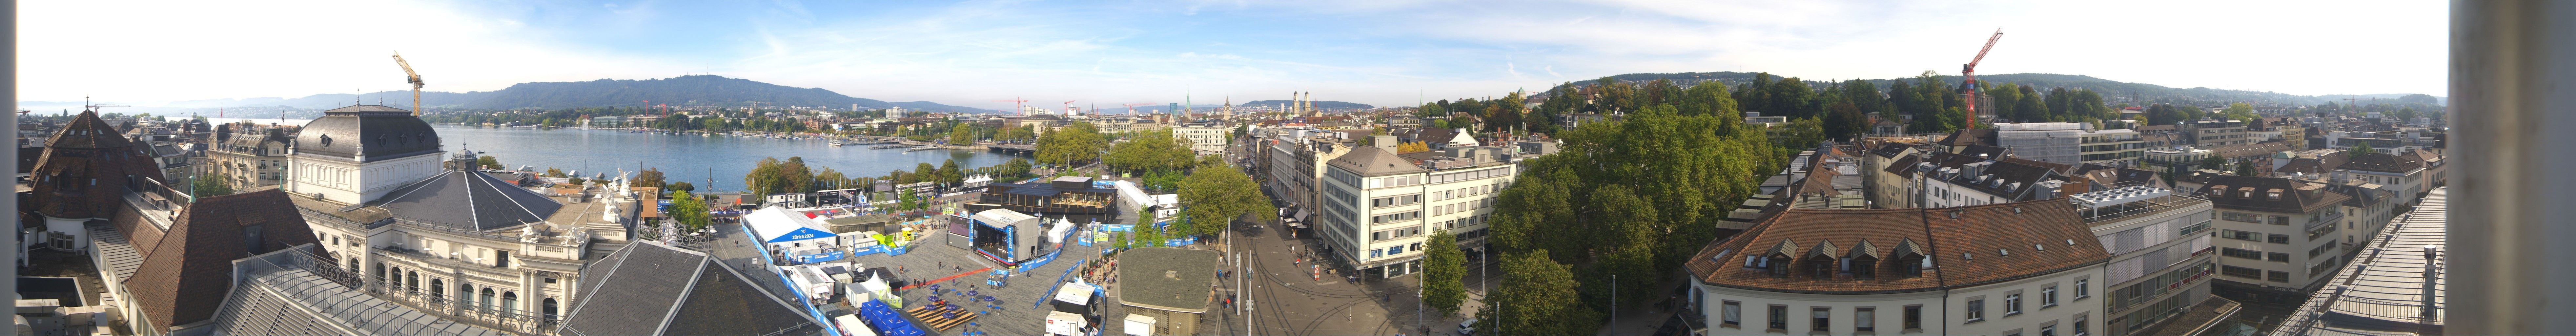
pixel 1371 161
pixel 2383 162
pixel 652 289
pixel 1963 249
pixel 1890 149
pixel 186 271
pixel 2254 194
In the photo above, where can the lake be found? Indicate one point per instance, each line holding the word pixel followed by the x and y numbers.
pixel 687 158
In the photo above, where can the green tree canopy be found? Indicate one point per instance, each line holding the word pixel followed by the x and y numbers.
pixel 489 162
pixel 688 210
pixel 1444 273
pixel 210 185
pixel 1213 196
pixel 1538 295
pixel 650 177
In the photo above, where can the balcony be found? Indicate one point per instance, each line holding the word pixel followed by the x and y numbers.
pixel 2330 218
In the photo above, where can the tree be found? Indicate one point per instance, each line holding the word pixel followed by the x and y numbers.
pixel 650 177
pixel 1444 273
pixel 680 186
pixel 2239 111
pixel 1800 134
pixel 1214 196
pixel 831 179
pixel 1017 168
pixel 210 185
pixel 1412 147
pixel 1843 121
pixel 488 162
pixel 552 172
pixel 1538 294
pixel 1077 143
pixel 2245 167
pixel 2213 162
pixel 929 173
pixel 688 210
pixel 962 134
pixel 949 173
pixel 2359 149
pixel 2030 107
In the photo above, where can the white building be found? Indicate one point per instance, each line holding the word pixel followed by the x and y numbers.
pixel 1380 207
pixel 1948 180
pixel 2160 249
pixel 441 236
pixel 1204 138
pixel 2276 236
pixel 2027 268
pixel 2059 143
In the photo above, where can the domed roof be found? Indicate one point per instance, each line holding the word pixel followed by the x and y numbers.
pixel 366 133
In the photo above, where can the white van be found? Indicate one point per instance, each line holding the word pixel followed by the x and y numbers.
pixel 1468 327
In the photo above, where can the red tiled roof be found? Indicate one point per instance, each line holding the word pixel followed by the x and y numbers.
pixel 2254 194
pixel 1964 249
pixel 187 271
pixel 2383 162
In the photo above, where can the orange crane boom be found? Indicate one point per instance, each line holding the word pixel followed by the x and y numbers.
pixel 414 78
pixel 1970 70
pixel 1015 102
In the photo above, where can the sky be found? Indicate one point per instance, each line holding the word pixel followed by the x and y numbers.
pixel 1385 53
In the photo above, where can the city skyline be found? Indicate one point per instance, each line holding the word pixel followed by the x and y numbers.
pixel 1386 54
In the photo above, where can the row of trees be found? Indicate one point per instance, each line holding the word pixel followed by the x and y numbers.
pixel 1075 144
pixel 774 176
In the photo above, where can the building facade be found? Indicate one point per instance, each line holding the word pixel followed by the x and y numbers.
pixel 2113 147
pixel 2276 236
pixel 250 155
pixel 2027 268
pixel 2213 133
pixel 1204 138
pixel 434 233
pixel 2161 258
pixel 1380 208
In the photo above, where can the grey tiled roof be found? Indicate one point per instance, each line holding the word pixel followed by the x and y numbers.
pixel 653 289
pixel 1371 161
pixel 2385 289
pixel 373 131
pixel 470 199
pixel 278 296
pixel 1167 278
pixel 122 259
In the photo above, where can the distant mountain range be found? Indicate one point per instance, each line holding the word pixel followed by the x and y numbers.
pixel 693 90
pixel 2115 91
pixel 1321 104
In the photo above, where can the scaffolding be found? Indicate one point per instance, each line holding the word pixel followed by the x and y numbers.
pixel 2060 143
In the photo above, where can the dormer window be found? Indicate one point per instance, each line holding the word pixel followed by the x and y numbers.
pixel 1778 264
pixel 1862 267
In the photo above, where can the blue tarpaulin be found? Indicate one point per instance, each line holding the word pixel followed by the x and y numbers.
pixel 886 320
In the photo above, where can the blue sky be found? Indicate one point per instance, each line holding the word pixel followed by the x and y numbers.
pixel 1384 53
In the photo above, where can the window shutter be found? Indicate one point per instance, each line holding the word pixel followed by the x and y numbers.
pixel 1734 313
pixel 1865 319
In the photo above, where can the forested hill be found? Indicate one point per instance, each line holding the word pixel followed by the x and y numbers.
pixel 2115 90
pixel 700 89
pixel 1321 104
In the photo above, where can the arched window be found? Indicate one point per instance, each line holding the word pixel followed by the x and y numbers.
pixel 380 272
pixel 549 308
pixel 437 289
pixel 510 301
pixel 353 264
pixel 411 282
pixel 485 301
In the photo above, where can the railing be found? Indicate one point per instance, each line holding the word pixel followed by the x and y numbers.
pixel 461 310
pixel 440 259
pixel 265 270
pixel 2330 218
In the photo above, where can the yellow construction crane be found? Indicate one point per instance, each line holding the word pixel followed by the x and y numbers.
pixel 415 82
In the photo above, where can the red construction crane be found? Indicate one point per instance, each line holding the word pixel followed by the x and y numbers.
pixel 1970 70
pixel 1131 108
pixel 1015 102
pixel 1068 107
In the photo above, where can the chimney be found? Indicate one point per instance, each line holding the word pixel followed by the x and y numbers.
pixel 2433 266
pixel 1383 142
